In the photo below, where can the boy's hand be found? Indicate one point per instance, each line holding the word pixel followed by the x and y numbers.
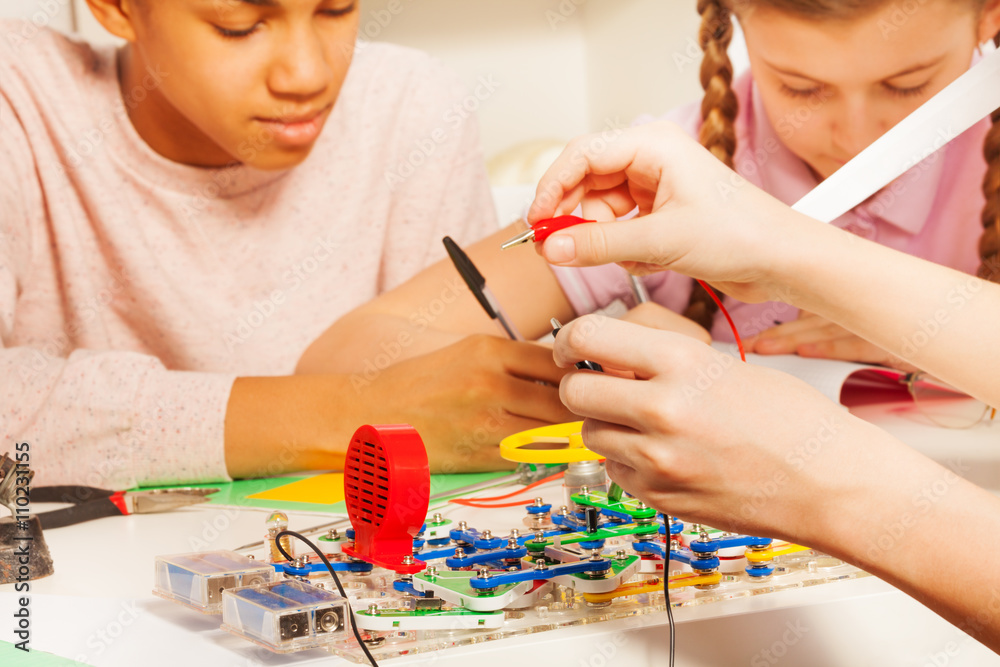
pixel 464 398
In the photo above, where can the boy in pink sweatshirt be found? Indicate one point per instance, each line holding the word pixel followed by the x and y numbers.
pixel 193 210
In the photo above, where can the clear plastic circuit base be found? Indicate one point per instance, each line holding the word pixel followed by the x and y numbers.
pixel 285 616
pixel 564 607
pixel 197 580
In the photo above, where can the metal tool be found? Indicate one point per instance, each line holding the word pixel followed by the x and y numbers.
pixel 92 503
pixel 543 229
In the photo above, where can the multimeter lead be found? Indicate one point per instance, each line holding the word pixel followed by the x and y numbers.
pixel 543 229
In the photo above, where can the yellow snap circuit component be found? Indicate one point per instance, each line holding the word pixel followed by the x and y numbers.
pixel 558 443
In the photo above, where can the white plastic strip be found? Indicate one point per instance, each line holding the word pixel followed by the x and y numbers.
pixel 966 101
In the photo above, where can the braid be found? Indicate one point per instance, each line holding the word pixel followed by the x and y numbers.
pixel 718 110
pixel 989 243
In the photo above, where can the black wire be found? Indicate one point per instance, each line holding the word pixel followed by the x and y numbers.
pixel 666 594
pixel 336 580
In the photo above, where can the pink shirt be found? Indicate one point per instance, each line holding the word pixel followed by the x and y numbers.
pixel 133 290
pixel 932 211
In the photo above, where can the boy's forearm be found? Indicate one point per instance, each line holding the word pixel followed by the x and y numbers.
pixel 276 425
pixel 368 342
pixel 435 308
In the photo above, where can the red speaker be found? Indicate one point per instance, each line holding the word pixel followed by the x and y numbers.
pixel 387 489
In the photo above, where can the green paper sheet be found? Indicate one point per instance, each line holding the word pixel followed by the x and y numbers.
pixel 238 493
pixel 15 657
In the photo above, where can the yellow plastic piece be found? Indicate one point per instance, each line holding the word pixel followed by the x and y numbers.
pixel 768 554
pixel 653 586
pixel 565 441
pixel 325 489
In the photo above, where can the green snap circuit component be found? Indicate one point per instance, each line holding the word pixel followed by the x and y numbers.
pixel 376 619
pixel 537 546
pixel 633 507
pixel 453 587
pixel 437 528
pixel 197 580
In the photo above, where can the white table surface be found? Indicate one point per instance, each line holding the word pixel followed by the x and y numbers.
pixel 97 608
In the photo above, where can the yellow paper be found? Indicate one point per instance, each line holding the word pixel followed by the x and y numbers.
pixel 320 490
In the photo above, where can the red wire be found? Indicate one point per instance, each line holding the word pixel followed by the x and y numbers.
pixel 718 302
pixel 516 492
pixel 469 503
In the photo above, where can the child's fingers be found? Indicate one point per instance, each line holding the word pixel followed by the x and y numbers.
pixel 646 239
pixel 536 401
pixel 608 204
pixel 616 443
pixel 610 342
pixel 530 361
pixel 595 157
pixel 853 348
pixel 785 338
pixel 655 316
pixel 605 398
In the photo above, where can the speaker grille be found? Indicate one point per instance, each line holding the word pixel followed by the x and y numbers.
pixel 366 481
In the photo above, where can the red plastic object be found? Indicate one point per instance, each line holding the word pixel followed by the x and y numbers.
pixel 118 498
pixel 387 486
pixel 546 228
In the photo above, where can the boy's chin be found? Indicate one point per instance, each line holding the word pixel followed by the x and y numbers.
pixel 278 160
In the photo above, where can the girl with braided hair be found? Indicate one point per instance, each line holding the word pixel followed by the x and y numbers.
pixel 826 79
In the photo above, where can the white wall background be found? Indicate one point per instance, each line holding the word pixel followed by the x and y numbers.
pixel 564 67
pixel 56 14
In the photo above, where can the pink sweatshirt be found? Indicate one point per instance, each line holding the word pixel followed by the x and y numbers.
pixel 932 211
pixel 133 289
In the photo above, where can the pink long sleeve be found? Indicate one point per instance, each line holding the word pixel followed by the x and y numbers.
pixel 133 290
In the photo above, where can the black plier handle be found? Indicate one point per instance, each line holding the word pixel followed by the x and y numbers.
pixel 92 503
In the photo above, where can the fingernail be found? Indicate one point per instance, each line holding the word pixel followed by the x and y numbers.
pixel 560 249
